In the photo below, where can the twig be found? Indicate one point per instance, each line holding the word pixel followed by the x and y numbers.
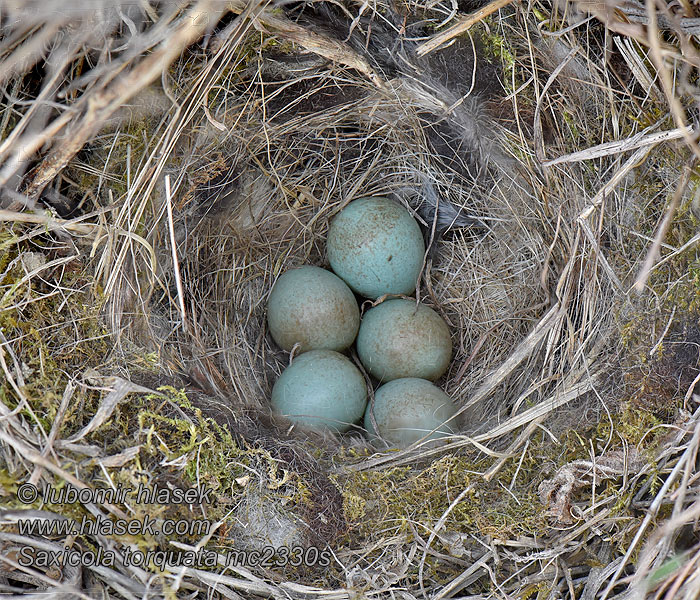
pixel 460 27
pixel 610 185
pixel 173 248
pixel 667 82
pixel 320 44
pixel 636 141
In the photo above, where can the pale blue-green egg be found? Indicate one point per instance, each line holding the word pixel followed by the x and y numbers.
pixel 321 389
pixel 399 338
pixel 376 247
pixel 314 308
pixel 407 410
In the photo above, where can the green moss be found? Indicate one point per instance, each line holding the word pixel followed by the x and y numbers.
pixel 636 426
pixel 570 121
pixel 56 336
pixel 403 498
pixel 496 46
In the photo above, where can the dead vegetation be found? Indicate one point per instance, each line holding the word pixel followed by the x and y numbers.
pixel 161 163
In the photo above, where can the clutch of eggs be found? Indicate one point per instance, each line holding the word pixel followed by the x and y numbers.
pixel 375 247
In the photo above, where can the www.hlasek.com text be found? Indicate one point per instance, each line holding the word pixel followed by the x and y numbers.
pixel 104 526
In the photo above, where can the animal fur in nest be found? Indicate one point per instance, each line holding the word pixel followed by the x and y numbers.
pixel 451 86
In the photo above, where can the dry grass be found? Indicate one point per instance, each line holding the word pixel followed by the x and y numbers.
pixel 163 163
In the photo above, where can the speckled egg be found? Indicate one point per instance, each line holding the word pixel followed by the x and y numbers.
pixel 376 247
pixel 312 307
pixel 321 389
pixel 406 410
pixel 399 338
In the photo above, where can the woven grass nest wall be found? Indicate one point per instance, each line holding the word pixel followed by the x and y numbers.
pixel 164 162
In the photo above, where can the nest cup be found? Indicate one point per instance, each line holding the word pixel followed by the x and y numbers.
pixel 259 208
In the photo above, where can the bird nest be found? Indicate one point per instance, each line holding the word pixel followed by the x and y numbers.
pixel 163 163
